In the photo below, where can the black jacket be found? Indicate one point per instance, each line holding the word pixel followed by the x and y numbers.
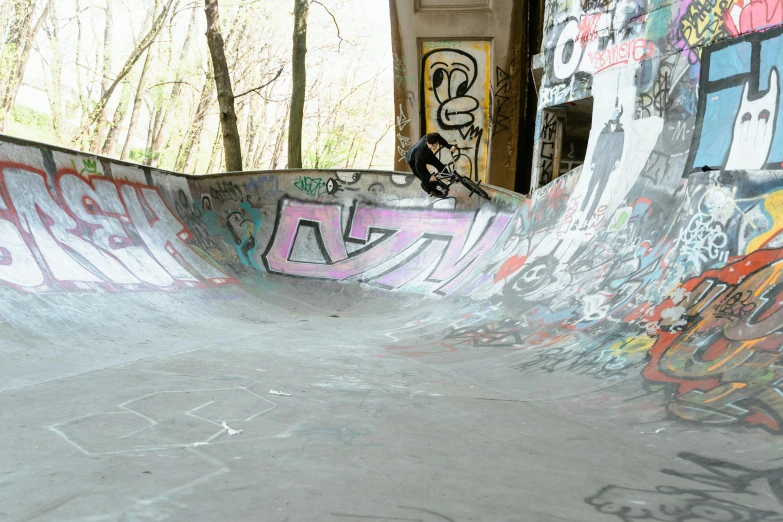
pixel 419 156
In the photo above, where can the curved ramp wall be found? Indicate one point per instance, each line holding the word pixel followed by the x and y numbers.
pixel 680 283
pixel 652 332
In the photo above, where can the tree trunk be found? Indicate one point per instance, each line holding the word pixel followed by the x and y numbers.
pixel 116 123
pixel 18 26
pixel 149 153
pixel 193 136
pixel 213 154
pixel 137 102
pixel 100 128
pixel 228 118
pixel 22 36
pixel 143 45
pixel 54 82
pixel 177 89
pixel 301 8
pixel 280 138
pixel 79 89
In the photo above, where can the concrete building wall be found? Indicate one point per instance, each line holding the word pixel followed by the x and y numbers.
pixel 460 69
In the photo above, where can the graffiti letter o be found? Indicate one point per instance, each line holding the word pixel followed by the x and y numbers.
pixel 563 68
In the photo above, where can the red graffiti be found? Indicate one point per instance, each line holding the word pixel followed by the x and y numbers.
pixel 720 343
pixel 510 266
pixel 747 16
pixel 632 51
pixel 588 28
pixel 89 233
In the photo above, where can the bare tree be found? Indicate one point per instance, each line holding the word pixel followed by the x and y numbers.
pixel 137 103
pixel 154 80
pixel 108 31
pixel 53 80
pixel 301 9
pixel 16 50
pixel 143 45
pixel 193 135
pixel 176 91
pixel 228 117
pixel 115 125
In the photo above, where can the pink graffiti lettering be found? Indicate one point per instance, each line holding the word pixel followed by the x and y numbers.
pixel 389 246
pixel 90 233
pixel 746 16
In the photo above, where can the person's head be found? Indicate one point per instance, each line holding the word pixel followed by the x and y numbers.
pixel 432 141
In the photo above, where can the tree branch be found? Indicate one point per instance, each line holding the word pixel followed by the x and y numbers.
pixel 335 23
pixel 145 43
pixel 262 86
pixel 180 82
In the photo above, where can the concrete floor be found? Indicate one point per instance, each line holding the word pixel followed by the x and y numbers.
pixel 346 418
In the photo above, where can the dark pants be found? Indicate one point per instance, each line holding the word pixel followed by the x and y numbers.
pixel 427 186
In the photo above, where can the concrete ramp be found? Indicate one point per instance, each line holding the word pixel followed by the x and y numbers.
pixel 335 345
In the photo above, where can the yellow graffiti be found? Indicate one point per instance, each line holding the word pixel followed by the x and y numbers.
pixel 456 81
pixel 633 345
pixel 773 205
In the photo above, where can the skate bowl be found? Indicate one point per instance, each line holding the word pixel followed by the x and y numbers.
pixel 336 345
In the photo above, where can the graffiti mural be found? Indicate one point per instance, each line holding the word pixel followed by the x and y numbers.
pixel 719 344
pixel 547 137
pixel 610 143
pixel 387 246
pixel 578 48
pixel 747 16
pixel 238 227
pixel 456 98
pixel 502 97
pixel 92 233
pixel 741 80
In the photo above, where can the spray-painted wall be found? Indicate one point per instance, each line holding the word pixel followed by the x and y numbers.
pixel 70 222
pixel 456 94
pixel 702 74
pixel 636 264
pixel 459 69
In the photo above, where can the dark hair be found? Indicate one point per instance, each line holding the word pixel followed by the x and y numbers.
pixel 433 138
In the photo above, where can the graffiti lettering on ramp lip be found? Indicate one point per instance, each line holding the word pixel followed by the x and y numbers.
pixel 92 233
pixel 389 247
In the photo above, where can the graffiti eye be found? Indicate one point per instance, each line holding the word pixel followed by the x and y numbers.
pixel 459 83
pixel 764 115
pixel 462 89
pixel 440 84
pixel 746 117
pixel 332 187
pixel 438 77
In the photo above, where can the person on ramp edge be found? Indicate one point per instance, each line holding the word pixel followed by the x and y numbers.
pixel 423 154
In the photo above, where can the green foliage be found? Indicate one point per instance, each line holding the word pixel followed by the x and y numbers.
pixel 334 150
pixel 30 118
pixel 142 155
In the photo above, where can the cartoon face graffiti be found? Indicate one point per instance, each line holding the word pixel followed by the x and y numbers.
pixel 452 73
pixel 754 127
pixel 332 186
